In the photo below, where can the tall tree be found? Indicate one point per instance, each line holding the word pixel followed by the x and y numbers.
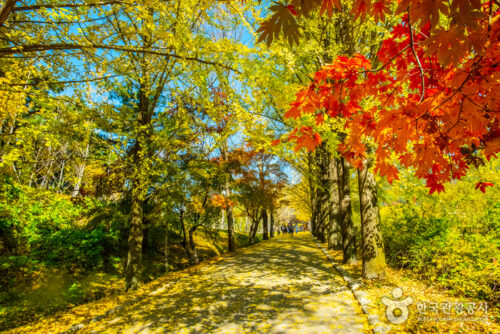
pixel 334 216
pixel 149 76
pixel 372 248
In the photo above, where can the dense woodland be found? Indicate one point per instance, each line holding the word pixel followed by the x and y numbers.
pixel 140 137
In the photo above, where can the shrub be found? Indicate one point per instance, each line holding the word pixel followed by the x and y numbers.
pixel 448 249
pixel 41 228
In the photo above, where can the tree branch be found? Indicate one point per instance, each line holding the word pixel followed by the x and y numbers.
pixel 7 8
pixel 416 57
pixel 64 82
pixel 52 47
pixel 389 61
pixel 64 5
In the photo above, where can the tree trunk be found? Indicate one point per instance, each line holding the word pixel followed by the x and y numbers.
pixel 60 184
pixel 265 228
pixel 371 242
pixel 253 230
pixel 313 211
pixel 222 218
pixel 271 232
pixel 230 230
pixel 5 10
pixel 251 233
pixel 80 172
pixel 134 259
pixel 191 246
pixel 165 251
pixel 346 225
pixel 183 228
pixel 187 240
pixel 229 210
pixel 322 203
pixel 312 193
pixel 33 170
pixel 319 215
pixel 145 236
pixel 334 236
pixel 139 182
pixel 47 170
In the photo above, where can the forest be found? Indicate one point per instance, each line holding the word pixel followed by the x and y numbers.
pixel 143 142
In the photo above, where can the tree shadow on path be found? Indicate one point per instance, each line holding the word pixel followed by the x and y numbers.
pixel 283 285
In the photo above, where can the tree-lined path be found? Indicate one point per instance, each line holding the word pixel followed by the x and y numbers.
pixel 284 285
pixel 141 138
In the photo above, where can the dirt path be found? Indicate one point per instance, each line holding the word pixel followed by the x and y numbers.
pixel 284 285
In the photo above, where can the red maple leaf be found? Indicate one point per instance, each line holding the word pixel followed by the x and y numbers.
pixel 329 5
pixel 482 186
pixel 275 142
pixel 292 10
pixel 320 119
pixel 379 10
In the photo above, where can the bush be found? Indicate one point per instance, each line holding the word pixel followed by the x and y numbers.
pixel 74 293
pixel 43 229
pixel 73 248
pixel 451 239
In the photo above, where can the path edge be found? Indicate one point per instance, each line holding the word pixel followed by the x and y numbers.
pixel 373 319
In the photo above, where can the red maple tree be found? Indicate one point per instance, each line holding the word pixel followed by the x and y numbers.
pixel 437 91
